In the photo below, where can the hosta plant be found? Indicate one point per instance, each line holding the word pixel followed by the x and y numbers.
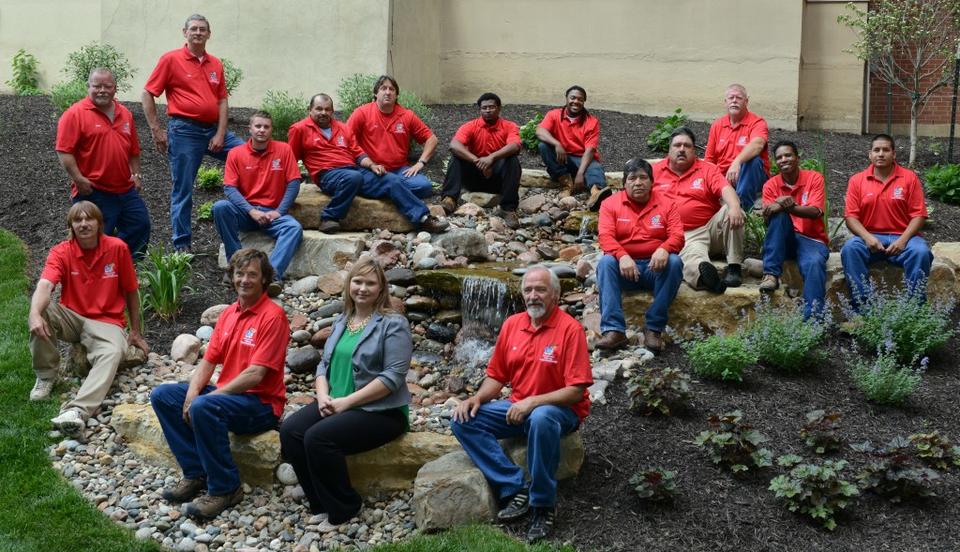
pixel 815 490
pixel 732 444
pixel 820 431
pixel 658 390
pixel 654 484
pixel 935 450
pixel 894 471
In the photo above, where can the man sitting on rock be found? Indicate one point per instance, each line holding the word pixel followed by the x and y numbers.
pixel 261 181
pixel 569 141
pixel 885 210
pixel 710 228
pixel 250 341
pixel 542 355
pixel 737 145
pixel 485 158
pixel 793 206
pixel 641 234
pixel 97 282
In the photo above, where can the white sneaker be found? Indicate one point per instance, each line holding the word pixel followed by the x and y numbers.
pixel 70 422
pixel 41 390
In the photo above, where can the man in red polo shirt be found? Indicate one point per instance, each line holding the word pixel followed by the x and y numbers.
pixel 485 158
pixel 261 181
pixel 97 282
pixel 342 170
pixel 196 92
pixel 793 205
pixel 542 355
pixel 885 210
pixel 569 145
pixel 250 341
pixel 711 227
pixel 737 145
pixel 98 148
pixel 641 234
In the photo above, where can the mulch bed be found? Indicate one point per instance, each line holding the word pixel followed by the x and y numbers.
pixel 599 510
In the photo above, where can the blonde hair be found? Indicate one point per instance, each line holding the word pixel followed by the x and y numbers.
pixel 87 208
pixel 367 264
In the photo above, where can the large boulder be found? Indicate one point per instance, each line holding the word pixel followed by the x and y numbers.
pixel 463 241
pixel 394 466
pixel 538 178
pixel 318 252
pixel 78 363
pixel 364 214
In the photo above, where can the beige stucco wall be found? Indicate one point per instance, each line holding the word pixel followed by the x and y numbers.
pixel 831 80
pixel 414 54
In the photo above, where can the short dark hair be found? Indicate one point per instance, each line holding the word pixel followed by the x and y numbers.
pixel 788 143
pixel 321 95
pixel 262 115
pixel 637 164
pixel 576 87
pixel 685 131
pixel 247 255
pixel 488 96
pixel 383 79
pixel 883 136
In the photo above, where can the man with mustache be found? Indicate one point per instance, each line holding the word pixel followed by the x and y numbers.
pixel 737 145
pixel 542 355
pixel 710 211
pixel 98 148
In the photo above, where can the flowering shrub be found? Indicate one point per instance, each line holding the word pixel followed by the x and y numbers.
pixel 732 444
pixel 657 389
pixel 720 357
pixel 816 490
pixel 781 338
pixel 883 380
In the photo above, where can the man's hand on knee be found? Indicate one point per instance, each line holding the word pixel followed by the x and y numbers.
pixel 520 410
pixel 466 410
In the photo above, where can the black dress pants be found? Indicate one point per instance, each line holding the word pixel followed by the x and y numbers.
pixel 505 180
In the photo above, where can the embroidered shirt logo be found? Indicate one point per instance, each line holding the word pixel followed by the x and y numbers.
pixel 341 142
pixel 109 271
pixel 275 165
pixel 742 141
pixel 549 354
pixel 656 221
pixel 125 128
pixel 803 199
pixel 247 338
pixel 898 192
pixel 398 128
pixel 697 184
pixel 213 78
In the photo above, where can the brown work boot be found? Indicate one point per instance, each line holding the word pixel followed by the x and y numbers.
pixel 612 340
pixel 184 490
pixel 652 341
pixel 329 226
pixel 597 195
pixel 566 185
pixel 210 506
pixel 510 219
pixel 769 284
pixel 434 225
pixel 274 288
pixel 449 205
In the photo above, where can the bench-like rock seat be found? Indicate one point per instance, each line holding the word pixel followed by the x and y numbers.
pixel 318 253
pixel 364 213
pixel 538 178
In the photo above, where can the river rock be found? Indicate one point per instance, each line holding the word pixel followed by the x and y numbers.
pixel 570 252
pixel 563 270
pixel 569 203
pixel 575 219
pixel 421 303
pixel 401 276
pixel 330 309
pixel 204 332
pixel 441 333
pixel 547 252
pixel 424 251
pixel 185 348
pixel 319 339
pixel 529 257
pixel 300 337
pixel 462 241
pixel 332 283
pixel 303 360
pixel 286 475
pixel 468 210
pixel 427 263
pixel 386 253
pixel 482 199
pixel 451 491
pixel 532 203
pixel 305 285
pixel 364 213
pixel 318 252
pixel 212 314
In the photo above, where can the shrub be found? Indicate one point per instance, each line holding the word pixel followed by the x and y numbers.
pixel 163 279
pixel 755 229
pixel 943 182
pixel 209 178
pixel 883 380
pixel 820 431
pixel 894 472
pixel 733 445
pixel 936 451
pixel 720 357
pixel 781 338
pixel 205 211
pixel 65 94
pixel 654 484
pixel 26 77
pixel 357 89
pixel 657 389
pixel 232 75
pixel 528 133
pixel 903 322
pixel 93 55
pixel 816 490
pixel 285 108
pixel 659 139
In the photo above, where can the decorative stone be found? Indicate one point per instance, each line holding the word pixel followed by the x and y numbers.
pixel 421 303
pixel 481 199
pixel 303 360
pixel 575 219
pixel 401 276
pixel 441 333
pixel 303 286
pixel 532 203
pixel 286 475
pixel 364 213
pixel 386 253
pixel 185 348
pixel 318 252
pixel 212 314
pixel 330 309
pixel 204 332
pixel 78 363
pixel 332 283
pixel 462 241
pixel 468 210
pixel 319 339
pixel 300 337
pixel 451 491
pixel 570 252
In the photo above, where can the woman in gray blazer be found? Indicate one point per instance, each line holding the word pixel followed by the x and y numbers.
pixel 362 398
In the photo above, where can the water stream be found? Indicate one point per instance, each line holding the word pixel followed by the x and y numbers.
pixel 484 304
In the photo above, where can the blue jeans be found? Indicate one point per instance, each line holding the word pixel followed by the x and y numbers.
pixel 750 182
pixel 543 428
pixel 419 184
pixel 610 283
pixel 203 448
pixel 187 144
pixel 230 220
pixel 593 176
pixel 345 183
pixel 124 215
pixel 783 242
pixel 915 259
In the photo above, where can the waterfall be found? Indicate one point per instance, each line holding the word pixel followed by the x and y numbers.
pixel 484 304
pixel 584 228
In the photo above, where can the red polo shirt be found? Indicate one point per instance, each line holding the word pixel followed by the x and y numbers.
pixel 537 361
pixel 102 149
pixel 575 136
pixel 319 153
pixel 261 177
pixel 726 141
pixel 386 137
pixel 697 192
pixel 194 88
pixel 93 282
pixel 482 139
pixel 254 336
pixel 885 207
pixel 629 228
pixel 808 191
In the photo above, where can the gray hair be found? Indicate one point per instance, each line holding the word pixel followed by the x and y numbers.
pixel 554 280
pixel 196 17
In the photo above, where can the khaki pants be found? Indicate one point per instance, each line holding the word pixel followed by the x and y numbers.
pixel 713 238
pixel 105 344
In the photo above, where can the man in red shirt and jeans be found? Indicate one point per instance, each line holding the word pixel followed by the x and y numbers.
pixel 737 145
pixel 97 282
pixel 250 341
pixel 542 355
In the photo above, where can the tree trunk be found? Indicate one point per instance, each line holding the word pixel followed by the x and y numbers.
pixel 914 115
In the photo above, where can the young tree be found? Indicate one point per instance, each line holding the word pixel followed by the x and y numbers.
pixel 909 44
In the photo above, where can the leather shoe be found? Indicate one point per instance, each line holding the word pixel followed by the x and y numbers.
pixel 733 278
pixel 329 226
pixel 769 284
pixel 597 195
pixel 710 278
pixel 449 205
pixel 652 341
pixel 612 340
pixel 510 219
pixel 434 225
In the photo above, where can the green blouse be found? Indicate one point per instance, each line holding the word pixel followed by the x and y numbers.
pixel 340 374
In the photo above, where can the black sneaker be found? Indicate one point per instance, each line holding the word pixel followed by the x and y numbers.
pixel 541 524
pixel 733 278
pixel 517 506
pixel 710 278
